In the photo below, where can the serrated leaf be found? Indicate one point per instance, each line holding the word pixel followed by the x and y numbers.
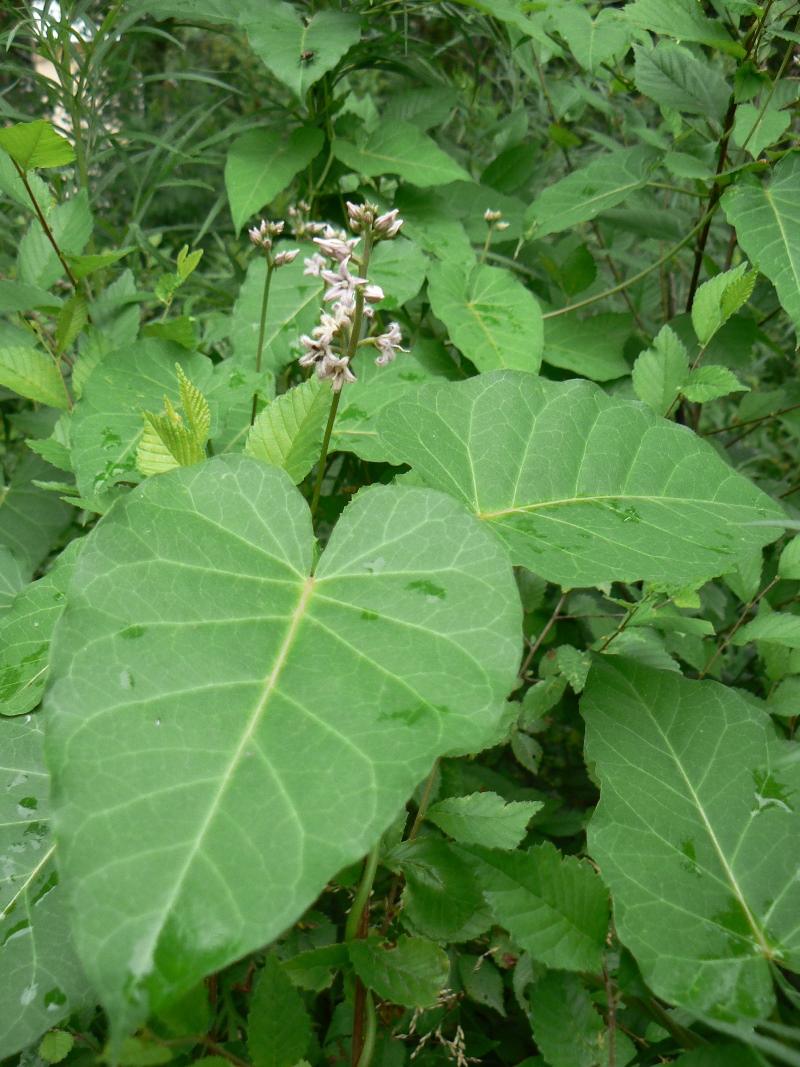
pixel 789 563
pixel 574 665
pixel 262 163
pixel 36 144
pixel 684 20
pixel 71 319
pixel 585 346
pixel 719 298
pixel 56 1046
pixel 279 1027
pixel 107 422
pixel 209 599
pixel 625 496
pixel 661 371
pixel 767 223
pixel 587 192
pixel 673 77
pixel 695 835
pixel 412 974
pixel 527 751
pixel 195 407
pixel 188 262
pixel 32 373
pixel 14 297
pixel 482 981
pixel 592 41
pixel 484 819
pixel 42 979
pixel 166 444
pixel 567 1027
pixel 71 225
pixel 777 627
pixel 403 149
pixel 442 899
pixel 288 432
pixel 491 317
pixel 710 383
pixel 25 634
pixel 555 907
pixel 280 38
pixel 83 266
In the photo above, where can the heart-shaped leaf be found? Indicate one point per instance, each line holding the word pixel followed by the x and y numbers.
pixel 299 51
pixel 261 163
pixel 400 148
pixel 215 710
pixel 583 487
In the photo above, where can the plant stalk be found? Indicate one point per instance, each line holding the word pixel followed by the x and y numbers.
pixel 261 331
pixel 43 222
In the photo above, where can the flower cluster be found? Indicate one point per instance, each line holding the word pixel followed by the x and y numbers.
pixel 333 342
pixel 262 237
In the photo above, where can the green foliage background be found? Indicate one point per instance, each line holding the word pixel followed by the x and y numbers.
pixel 452 721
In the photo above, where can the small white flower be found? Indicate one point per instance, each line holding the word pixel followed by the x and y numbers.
pixel 388 225
pixel 315 265
pixel 335 369
pixel 342 283
pixel 388 344
pixel 286 257
pixel 337 247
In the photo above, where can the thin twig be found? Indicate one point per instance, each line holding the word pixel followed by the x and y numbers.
pixel 534 648
pixel 43 222
pixel 739 622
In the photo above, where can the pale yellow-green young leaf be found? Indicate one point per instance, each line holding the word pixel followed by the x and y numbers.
pixel 71 319
pixel 152 455
pixel 195 407
pixel 288 432
pixel 737 293
pixel 711 383
pixel 33 374
pixel 187 263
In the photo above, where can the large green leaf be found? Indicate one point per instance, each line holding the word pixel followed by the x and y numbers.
pixel 261 163
pixel 196 658
pixel 684 20
pixel 25 634
pixel 584 194
pixel 582 487
pixel 695 834
pixel 592 41
pixel 491 317
pixel 356 427
pixel 42 978
pixel 293 309
pixel 400 148
pixel 675 78
pixel 299 51
pixel 555 907
pixel 107 421
pixel 31 519
pixel 767 222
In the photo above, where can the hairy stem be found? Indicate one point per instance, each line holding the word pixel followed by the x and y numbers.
pixel 261 331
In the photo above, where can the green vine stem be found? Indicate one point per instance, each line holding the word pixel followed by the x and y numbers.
pixel 355 337
pixel 370 1032
pixel 351 931
pixel 262 330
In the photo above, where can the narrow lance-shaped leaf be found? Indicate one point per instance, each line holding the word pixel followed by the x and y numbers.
pixel 582 487
pixel 197 655
pixel 695 835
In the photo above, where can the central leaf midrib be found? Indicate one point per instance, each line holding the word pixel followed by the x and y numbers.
pixel 270 684
pixel 522 508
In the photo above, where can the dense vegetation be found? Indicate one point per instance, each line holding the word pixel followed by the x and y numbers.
pixel 399 588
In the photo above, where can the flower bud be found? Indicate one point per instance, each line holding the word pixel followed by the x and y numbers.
pixel 289 256
pixel 492 216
